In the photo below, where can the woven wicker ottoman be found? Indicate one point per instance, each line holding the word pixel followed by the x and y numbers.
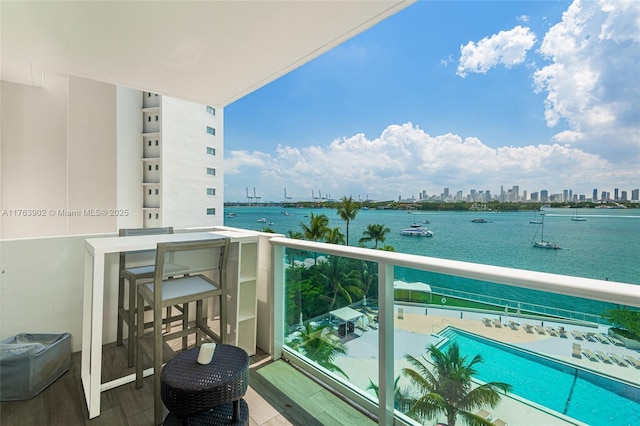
pixel 221 415
pixel 206 394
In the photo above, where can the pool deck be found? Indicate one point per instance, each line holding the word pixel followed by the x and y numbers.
pixel 414 332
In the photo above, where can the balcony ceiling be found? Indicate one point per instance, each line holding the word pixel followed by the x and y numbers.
pixel 212 52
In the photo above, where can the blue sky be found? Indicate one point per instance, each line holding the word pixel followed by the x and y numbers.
pixel 465 95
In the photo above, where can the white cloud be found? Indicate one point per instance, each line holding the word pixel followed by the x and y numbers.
pixel 592 82
pixel 508 48
pixel 404 160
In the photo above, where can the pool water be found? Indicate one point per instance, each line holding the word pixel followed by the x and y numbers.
pixel 577 393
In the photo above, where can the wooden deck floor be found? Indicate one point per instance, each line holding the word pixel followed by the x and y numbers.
pixel 278 395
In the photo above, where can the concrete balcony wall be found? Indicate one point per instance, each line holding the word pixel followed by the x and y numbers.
pixel 42 287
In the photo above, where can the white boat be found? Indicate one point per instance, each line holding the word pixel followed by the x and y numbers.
pixel 416 230
pixel 479 220
pixel 231 215
pixel 542 243
pixel 262 220
pixel 536 219
pixel 577 218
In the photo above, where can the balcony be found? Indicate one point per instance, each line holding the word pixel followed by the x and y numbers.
pixel 395 318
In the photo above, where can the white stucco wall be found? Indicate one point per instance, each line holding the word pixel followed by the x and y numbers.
pixel 184 163
pixel 58 157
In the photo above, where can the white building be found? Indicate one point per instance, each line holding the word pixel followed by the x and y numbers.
pixel 81 156
pixel 182 170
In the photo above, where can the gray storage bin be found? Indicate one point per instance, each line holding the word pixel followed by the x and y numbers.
pixel 31 362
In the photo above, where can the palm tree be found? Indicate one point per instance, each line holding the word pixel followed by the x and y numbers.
pixel 335 236
pixel 401 396
pixel 340 281
pixel 315 345
pixel 375 232
pixel 347 210
pixel 449 388
pixel 317 229
pixel 366 275
pixel 295 235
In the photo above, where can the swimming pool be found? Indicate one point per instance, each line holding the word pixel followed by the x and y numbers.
pixel 574 392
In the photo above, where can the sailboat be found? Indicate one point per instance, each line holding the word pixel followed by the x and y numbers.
pixel 536 218
pixel 577 218
pixel 542 243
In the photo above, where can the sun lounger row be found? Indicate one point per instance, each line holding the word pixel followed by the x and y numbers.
pixel 552 331
pixel 489 322
pixel 610 358
pixel 597 337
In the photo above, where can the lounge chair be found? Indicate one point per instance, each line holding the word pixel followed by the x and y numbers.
pixel 577 334
pixel 500 422
pixel 590 355
pixel 539 329
pixel 552 331
pixel 373 326
pixel 577 350
pixel 496 323
pixel 618 360
pixel 484 414
pixel 602 338
pixel 486 321
pixel 513 325
pixel 615 341
pixel 528 328
pixel 590 336
pixel 562 332
pixel 604 357
pixel 631 360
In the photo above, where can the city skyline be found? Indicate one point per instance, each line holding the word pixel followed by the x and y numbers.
pixel 252 195
pixel 446 92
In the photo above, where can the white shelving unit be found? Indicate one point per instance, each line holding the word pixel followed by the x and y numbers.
pixel 241 294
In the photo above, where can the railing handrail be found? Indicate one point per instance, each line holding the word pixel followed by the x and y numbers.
pixel 603 291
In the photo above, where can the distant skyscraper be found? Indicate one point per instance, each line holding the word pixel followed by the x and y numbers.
pixel 565 195
pixel 515 193
pixel 615 194
pixel 623 196
pixel 595 194
pixel 534 196
pixel 635 193
pixel 544 196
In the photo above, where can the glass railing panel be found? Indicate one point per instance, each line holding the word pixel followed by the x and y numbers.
pixel 330 316
pixel 581 335
pixel 559 356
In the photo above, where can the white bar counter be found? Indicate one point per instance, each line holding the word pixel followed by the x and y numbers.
pixel 95 255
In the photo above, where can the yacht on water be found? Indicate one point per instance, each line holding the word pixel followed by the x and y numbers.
pixel 416 230
pixel 479 220
pixel 542 243
pixel 262 220
pixel 536 218
pixel 577 218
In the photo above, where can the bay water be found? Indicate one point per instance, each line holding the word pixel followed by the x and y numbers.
pixel 606 246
